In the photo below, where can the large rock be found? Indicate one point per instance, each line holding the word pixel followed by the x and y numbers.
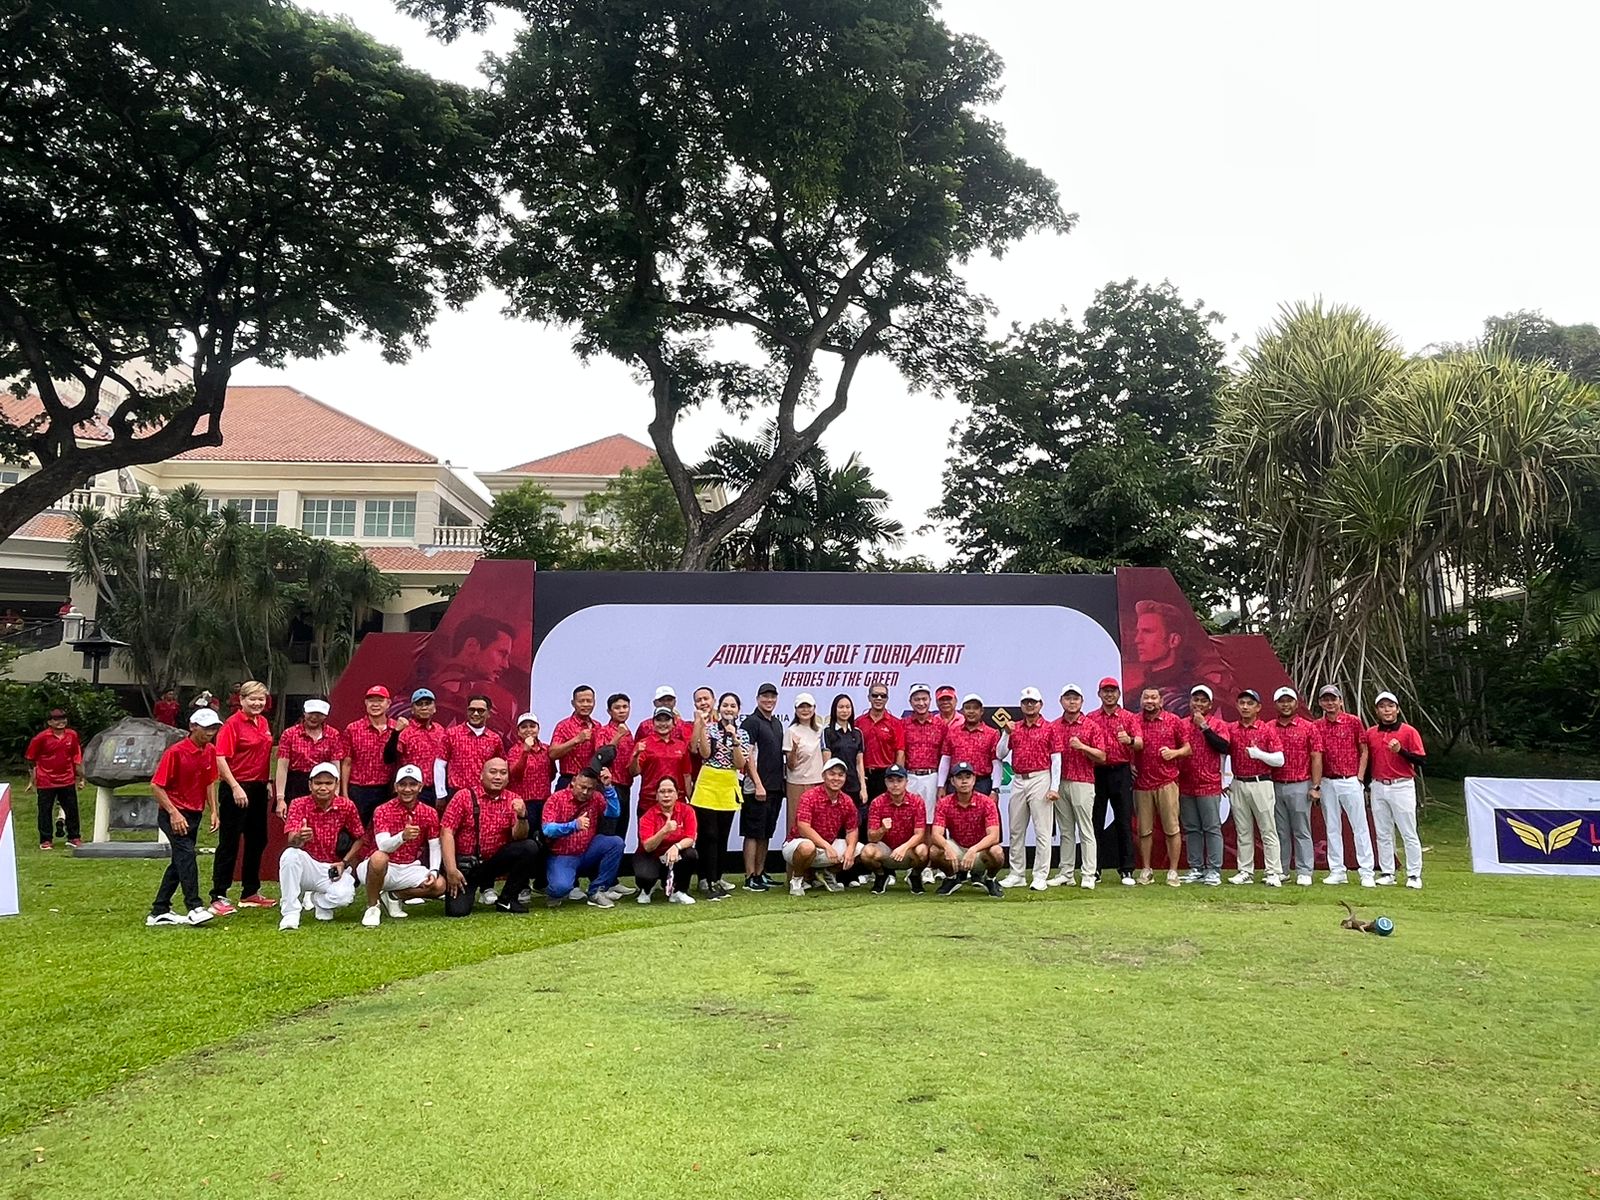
pixel 128 752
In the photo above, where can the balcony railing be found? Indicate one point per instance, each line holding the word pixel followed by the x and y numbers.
pixel 467 536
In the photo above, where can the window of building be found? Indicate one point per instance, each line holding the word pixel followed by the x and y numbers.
pixel 260 511
pixel 328 518
pixel 9 477
pixel 389 519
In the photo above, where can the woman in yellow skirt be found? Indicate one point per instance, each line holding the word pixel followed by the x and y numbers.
pixel 724 750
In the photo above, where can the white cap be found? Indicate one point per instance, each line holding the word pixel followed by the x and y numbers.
pixel 665 690
pixel 1031 693
pixel 409 771
pixel 527 717
pixel 805 698
pixel 1200 687
pixel 1382 696
pixel 205 718
pixel 832 763
pixel 970 697
pixel 919 687
pixel 324 769
pixel 316 706
pixel 1285 691
pixel 1072 687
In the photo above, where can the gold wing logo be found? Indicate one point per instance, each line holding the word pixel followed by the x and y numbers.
pixel 1530 836
pixel 1562 835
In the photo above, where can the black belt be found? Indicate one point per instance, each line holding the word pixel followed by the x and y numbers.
pixel 1338 777
pixel 929 771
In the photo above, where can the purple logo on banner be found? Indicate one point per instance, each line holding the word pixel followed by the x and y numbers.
pixel 1548 835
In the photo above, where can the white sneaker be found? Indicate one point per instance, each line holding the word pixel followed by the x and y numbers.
pixel 1192 875
pixel 680 898
pixel 324 914
pixel 644 897
pixel 829 881
pixel 1274 881
pixel 1242 877
pixel 415 900
pixel 929 875
pixel 1212 879
pixel 1172 879
pixel 490 896
pixel 167 918
pixel 1011 879
pixel 1039 884
pixel 1336 877
pixel 620 890
pixel 199 916
pixel 577 893
pixel 1385 881
pixel 371 917
pixel 1060 879
pixel 1127 881
pixel 1368 881
pixel 797 887
pixel 1414 881
pixel 290 920
pixel 858 881
pixel 1303 879
pixel 1088 883
pixel 393 907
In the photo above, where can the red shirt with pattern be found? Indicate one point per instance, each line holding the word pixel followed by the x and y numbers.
pixel 364 748
pixel 1341 745
pixel 1076 766
pixel 495 819
pixel 663 758
pixel 1241 737
pixel 246 742
pixel 563 807
pixel 906 817
pixel 1032 745
pixel 392 817
pixel 55 758
pixel 419 746
pixel 1150 770
pixel 653 819
pixel 975 746
pixel 926 742
pixel 304 752
pixel 967 824
pixel 882 740
pixel 186 771
pixel 1301 739
pixel 578 757
pixel 465 752
pixel 621 737
pixel 1386 763
pixel 531 771
pixel 829 817
pixel 1107 726
pixel 325 825
pixel 1201 773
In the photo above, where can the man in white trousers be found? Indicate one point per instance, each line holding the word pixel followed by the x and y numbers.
pixel 401 829
pixel 1080 750
pixel 1344 762
pixel 311 867
pixel 927 742
pixel 1395 751
pixel 1254 749
pixel 1035 781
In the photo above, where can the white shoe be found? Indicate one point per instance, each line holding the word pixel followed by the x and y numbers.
pixel 371 917
pixel 620 890
pixel 393 907
pixel 1127 881
pixel 1011 879
pixel 324 914
pixel 290 920
pixel 1088 883
pixel 829 882
pixel 577 893
pixel 199 916
pixel 1274 881
pixel 858 881
pixel 1242 877
pixel 1039 884
pixel 1385 881
pixel 415 900
pixel 928 875
pixel 167 918
pixel 1414 881
pixel 1368 881
pixel 1172 879
pixel 1212 879
pixel 680 898
pixel 1303 879
pixel 1191 876
pixel 644 897
pixel 490 896
pixel 1060 879
pixel 1336 877
pixel 797 887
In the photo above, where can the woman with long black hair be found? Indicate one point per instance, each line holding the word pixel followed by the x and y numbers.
pixel 723 746
pixel 842 739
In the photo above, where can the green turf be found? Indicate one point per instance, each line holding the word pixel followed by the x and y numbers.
pixel 1127 1043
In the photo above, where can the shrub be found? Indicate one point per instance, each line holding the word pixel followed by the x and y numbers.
pixel 23 707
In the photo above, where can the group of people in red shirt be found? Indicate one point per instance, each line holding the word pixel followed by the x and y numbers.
pixel 412 810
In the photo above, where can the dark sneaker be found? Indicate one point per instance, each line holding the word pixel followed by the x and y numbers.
pixel 915 882
pixel 950 886
pixel 752 883
pixel 994 889
pixel 880 885
pixel 512 905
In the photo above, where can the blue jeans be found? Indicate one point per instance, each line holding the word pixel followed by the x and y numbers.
pixel 599 862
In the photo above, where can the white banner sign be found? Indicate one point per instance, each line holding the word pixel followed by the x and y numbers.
pixel 8 855
pixel 1534 826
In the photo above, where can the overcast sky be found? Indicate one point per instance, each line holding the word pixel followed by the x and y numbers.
pixel 1430 163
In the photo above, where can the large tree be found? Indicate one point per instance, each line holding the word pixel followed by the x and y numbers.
pixel 528 522
pixel 745 199
pixel 1079 446
pixel 195 184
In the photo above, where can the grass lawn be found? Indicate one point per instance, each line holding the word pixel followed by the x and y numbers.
pixel 1124 1043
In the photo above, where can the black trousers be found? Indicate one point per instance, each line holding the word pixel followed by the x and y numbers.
pixel 49 797
pixel 234 824
pixel 712 842
pixel 618 824
pixel 517 861
pixel 649 870
pixel 366 798
pixel 1113 786
pixel 182 869
pixel 295 785
pixel 875 784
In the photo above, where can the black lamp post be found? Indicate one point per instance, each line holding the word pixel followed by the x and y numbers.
pixel 96 649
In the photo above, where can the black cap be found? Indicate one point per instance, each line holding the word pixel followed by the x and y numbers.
pixel 895 773
pixel 1251 693
pixel 962 768
pixel 603 757
pixel 767 689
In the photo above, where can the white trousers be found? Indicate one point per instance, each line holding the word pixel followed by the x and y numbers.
pixel 299 873
pixel 1253 806
pixel 1342 801
pixel 1394 806
pixel 1030 800
pixel 926 786
pixel 1075 819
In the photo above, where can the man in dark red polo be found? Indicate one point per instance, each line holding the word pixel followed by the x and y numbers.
pixel 1078 742
pixel 1395 751
pixel 302 747
pixel 55 771
pixel 489 823
pixel 976 743
pixel 402 829
pixel 371 747
pixel 469 744
pixel 823 832
pixel 572 818
pixel 927 742
pixel 1254 749
pixel 311 863
pixel 1113 780
pixel 966 834
pixel 897 837
pixel 185 785
pixel 1295 785
pixel 165 709
pixel 615 732
pixel 573 740
pixel 882 738
pixel 1200 788
pixel 1163 744
pixel 1035 782
pixel 945 702
pixel 422 745
pixel 1344 763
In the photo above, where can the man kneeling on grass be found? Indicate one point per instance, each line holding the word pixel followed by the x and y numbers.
pixel 401 828
pixel 822 832
pixel 185 785
pixel 966 835
pixel 897 840
pixel 310 866
pixel 577 847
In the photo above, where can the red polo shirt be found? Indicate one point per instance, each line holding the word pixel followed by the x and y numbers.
pixel 578 757
pixel 1032 745
pixel 906 817
pixel 1301 739
pixel 304 752
pixel 531 771
pixel 663 758
pixel 975 746
pixel 465 752
pixel 1201 773
pixel 420 745
pixel 186 771
pixel 653 819
pixel 1386 763
pixel 1076 766
pixel 325 824
pixel 1241 737
pixel 246 742
pixel 563 807
pixel 55 758
pixel 926 742
pixel 364 748
pixel 830 818
pixel 495 819
pixel 883 740
pixel 165 711
pixel 1341 745
pixel 622 766
pixel 967 825
pixel 1107 726
pixel 1150 770
pixel 392 817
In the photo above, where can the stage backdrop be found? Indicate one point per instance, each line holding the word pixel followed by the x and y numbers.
pixel 1534 826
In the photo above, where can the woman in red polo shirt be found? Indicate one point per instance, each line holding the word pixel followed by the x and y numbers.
pixel 666 854
pixel 244 758
pixel 662 752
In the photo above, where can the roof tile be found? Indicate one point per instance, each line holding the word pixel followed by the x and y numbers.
pixel 409 558
pixel 270 423
pixel 606 457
